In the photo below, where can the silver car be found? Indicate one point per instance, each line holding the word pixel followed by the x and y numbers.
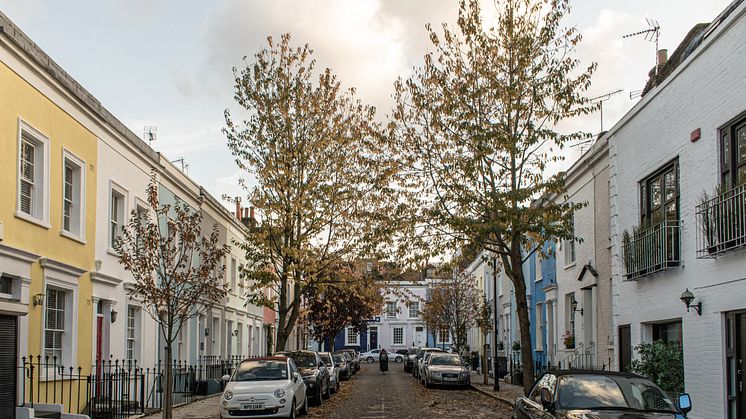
pixel 333 370
pixel 421 361
pixel 445 369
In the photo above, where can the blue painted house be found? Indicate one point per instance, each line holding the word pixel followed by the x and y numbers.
pixel 543 291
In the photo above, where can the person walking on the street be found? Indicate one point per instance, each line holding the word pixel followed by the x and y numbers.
pixel 383 360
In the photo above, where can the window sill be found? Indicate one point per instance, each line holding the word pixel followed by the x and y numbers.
pixel 72 236
pixel 571 265
pixel 33 220
pixel 112 252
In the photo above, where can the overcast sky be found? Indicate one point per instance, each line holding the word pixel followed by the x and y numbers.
pixel 168 62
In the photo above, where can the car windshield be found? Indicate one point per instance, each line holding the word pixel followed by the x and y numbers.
pixel 339 359
pixel 327 358
pixel 412 351
pixel 445 360
pixel 610 392
pixel 303 360
pixel 261 371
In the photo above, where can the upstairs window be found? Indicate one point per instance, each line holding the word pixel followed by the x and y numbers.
pixel 233 275
pixel 33 163
pixel 733 154
pixel 390 309
pixel 117 210
pixel 73 185
pixel 414 310
pixel 659 196
pixel 570 244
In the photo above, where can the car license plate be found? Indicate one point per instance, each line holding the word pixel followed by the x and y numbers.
pixel 450 378
pixel 252 406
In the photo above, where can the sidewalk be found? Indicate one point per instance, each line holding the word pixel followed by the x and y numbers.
pixel 507 393
pixel 205 408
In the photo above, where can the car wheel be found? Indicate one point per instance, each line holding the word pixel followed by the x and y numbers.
pixel 398 360
pixel 328 392
pixel 304 408
pixel 369 360
pixel 292 411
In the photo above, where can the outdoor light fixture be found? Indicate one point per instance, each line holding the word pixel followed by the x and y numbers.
pixel 235 332
pixel 574 306
pixel 687 297
pixel 207 331
pixel 38 299
pixel 114 316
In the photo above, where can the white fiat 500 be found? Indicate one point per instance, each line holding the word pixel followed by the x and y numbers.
pixel 268 387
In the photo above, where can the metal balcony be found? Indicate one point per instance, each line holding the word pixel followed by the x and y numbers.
pixel 721 223
pixel 652 249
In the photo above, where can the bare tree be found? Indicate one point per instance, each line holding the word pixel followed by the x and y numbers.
pixel 177 271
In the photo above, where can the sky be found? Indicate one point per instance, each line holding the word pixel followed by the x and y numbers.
pixel 169 62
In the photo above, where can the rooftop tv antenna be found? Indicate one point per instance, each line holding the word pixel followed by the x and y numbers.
pixel 600 100
pixel 149 133
pixel 184 165
pixel 651 35
pixel 635 94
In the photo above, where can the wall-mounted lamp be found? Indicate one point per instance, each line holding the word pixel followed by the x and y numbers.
pixel 235 332
pixel 114 316
pixel 574 306
pixel 207 331
pixel 38 299
pixel 687 297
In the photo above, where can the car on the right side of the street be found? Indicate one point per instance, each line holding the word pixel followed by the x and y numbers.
pixel 417 373
pixel 564 394
pixel 445 369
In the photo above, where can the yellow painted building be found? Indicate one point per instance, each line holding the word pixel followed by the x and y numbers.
pixel 47 225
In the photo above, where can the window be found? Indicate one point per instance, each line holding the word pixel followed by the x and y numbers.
pixel 414 309
pixel 143 217
pixel 569 314
pixel 117 210
pixel 390 309
pixel 444 335
pixel 398 336
pixel 54 325
pixel 659 196
pixel 369 267
pixel 132 333
pixel 539 327
pixel 352 337
pixel 233 275
pixel 6 286
pixel 668 332
pixel 33 174
pixel 569 248
pixel 733 154
pixel 73 202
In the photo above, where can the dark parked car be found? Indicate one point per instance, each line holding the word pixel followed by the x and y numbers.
pixel 343 364
pixel 314 373
pixel 410 359
pixel 598 395
pixel 355 359
pixel 350 362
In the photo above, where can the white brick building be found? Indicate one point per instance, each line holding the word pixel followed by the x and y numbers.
pixel 664 154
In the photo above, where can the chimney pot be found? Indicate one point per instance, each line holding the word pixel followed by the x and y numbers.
pixel 251 212
pixel 238 208
pixel 662 57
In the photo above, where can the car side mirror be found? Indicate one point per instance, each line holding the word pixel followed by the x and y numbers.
pixel 685 403
pixel 321 365
pixel 226 377
pixel 546 399
pixel 295 376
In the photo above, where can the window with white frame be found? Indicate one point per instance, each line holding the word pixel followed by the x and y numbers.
pixel 143 216
pixel 73 202
pixel 569 245
pixel 539 327
pixel 390 309
pixel 352 337
pixel 132 332
pixel 398 336
pixel 414 309
pixel 233 275
pixel 6 287
pixel 33 174
pixel 444 335
pixel 54 324
pixel 117 209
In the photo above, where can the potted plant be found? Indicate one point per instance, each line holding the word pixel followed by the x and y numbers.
pixel 569 340
pixel 516 345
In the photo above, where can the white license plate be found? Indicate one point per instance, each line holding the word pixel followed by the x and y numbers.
pixel 450 378
pixel 252 406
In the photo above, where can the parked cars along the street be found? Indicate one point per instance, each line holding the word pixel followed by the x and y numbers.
pixel 371 356
pixel 350 362
pixel 343 365
pixel 446 369
pixel 418 363
pixel 264 387
pixel 598 394
pixel 355 356
pixel 399 355
pixel 314 374
pixel 410 359
pixel 333 370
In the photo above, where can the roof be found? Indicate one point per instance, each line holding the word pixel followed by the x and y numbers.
pixel 560 373
pixel 268 358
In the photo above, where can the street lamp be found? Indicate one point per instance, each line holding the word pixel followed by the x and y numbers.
pixel 687 297
pixel 495 361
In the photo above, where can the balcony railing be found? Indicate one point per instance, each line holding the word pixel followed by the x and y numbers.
pixel 652 249
pixel 721 223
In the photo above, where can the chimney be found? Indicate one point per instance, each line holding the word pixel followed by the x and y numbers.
pixel 251 213
pixel 662 57
pixel 238 208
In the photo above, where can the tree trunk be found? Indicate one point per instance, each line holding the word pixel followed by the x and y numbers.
pixel 527 367
pixel 168 392
pixel 485 365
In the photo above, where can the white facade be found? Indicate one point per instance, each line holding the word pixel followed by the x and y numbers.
pixel 703 95
pixel 400 326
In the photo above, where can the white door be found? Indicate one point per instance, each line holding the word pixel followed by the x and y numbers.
pixel 419 336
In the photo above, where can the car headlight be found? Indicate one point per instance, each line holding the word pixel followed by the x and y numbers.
pixel 435 374
pixel 228 395
pixel 279 393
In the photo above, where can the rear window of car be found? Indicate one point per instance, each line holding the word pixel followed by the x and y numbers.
pixel 304 360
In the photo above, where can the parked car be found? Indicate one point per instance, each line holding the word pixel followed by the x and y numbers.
pixel 314 374
pixel 398 355
pixel 355 355
pixel 264 387
pixel 420 355
pixel 333 370
pixel 350 362
pixel 410 359
pixel 343 365
pixel 445 369
pixel 371 356
pixel 598 394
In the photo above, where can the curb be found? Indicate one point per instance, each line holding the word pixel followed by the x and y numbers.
pixel 502 400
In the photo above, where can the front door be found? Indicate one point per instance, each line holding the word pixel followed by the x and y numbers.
pixel 735 324
pixel 373 337
pixel 625 348
pixel 419 336
pixel 8 335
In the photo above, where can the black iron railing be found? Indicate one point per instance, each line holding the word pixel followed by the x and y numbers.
pixel 652 249
pixel 721 223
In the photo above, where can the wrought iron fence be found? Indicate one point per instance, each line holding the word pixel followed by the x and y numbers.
pixel 652 249
pixel 721 223
pixel 116 389
pixel 581 359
